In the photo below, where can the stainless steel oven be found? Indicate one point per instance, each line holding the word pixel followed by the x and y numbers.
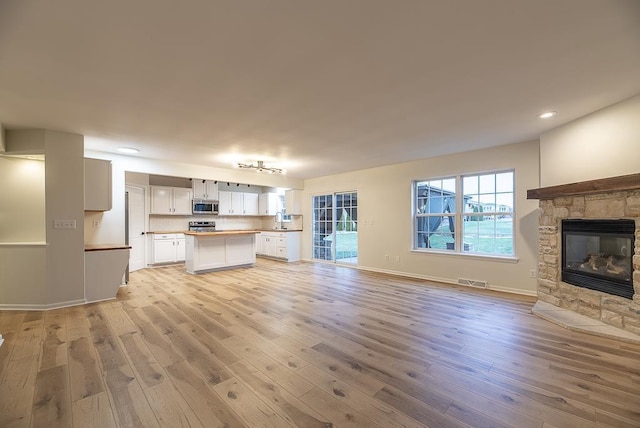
pixel 202 226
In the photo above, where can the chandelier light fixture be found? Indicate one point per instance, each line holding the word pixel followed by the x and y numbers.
pixel 260 167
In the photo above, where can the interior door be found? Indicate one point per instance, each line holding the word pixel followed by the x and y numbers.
pixel 136 228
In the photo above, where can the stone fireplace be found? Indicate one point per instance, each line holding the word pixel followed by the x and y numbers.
pixel 598 254
pixel 605 261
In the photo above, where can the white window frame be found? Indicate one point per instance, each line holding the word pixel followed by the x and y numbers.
pixel 459 214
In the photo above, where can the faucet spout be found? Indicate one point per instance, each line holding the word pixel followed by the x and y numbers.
pixel 278 219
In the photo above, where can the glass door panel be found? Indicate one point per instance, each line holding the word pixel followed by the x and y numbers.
pixel 335 227
pixel 323 227
pixel 346 228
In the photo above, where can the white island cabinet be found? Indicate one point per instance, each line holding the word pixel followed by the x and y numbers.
pixel 209 251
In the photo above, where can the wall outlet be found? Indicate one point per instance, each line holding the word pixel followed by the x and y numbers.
pixel 533 273
pixel 97 223
pixel 386 257
pixel 397 259
pixel 64 224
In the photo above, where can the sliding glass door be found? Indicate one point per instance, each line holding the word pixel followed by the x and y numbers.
pixel 335 227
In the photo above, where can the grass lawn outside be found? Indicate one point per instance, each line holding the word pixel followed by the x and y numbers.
pixel 488 236
pixel 346 244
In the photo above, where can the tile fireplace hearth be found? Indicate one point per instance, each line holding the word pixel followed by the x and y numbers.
pixel 608 263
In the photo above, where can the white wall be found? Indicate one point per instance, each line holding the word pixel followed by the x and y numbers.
pixel 603 144
pixel 40 276
pixel 64 175
pixel 23 276
pixel 384 216
pixel 22 210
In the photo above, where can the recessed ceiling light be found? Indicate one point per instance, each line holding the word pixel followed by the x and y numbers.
pixel 128 150
pixel 547 114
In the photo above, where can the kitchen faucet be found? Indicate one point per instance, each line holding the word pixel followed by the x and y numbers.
pixel 279 218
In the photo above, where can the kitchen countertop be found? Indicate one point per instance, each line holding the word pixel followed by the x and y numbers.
pixel 218 231
pixel 223 233
pixel 105 247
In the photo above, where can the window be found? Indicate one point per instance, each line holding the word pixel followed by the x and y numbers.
pixel 470 214
pixel 282 207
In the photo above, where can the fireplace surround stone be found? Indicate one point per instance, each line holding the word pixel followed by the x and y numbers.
pixel 613 198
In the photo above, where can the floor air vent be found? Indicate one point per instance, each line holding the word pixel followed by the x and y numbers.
pixel 472 283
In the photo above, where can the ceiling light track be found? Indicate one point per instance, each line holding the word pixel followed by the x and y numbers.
pixel 261 167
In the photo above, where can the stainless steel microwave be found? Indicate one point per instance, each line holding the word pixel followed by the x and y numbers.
pixel 204 207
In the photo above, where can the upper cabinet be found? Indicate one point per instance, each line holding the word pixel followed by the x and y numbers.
pixel 230 203
pixel 97 185
pixel 171 200
pixel 250 202
pixel 205 189
pixel 238 203
pixel 293 201
pixel 268 204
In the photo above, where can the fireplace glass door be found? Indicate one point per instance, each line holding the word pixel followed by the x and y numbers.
pixel 597 254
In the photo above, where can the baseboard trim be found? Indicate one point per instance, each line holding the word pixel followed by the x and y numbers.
pixel 47 307
pixel 532 293
pixel 450 281
pixel 409 275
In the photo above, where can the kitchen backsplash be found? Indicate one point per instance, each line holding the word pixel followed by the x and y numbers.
pixel 161 223
pixel 294 224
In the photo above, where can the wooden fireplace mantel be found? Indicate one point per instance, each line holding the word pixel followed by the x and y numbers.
pixel 613 184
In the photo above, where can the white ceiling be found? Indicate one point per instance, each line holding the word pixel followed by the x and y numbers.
pixel 317 87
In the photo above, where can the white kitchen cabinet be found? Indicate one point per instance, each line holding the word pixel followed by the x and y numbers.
pixel 182 200
pixel 260 242
pixel 230 203
pixel 237 203
pixel 293 202
pixel 250 204
pixel 168 248
pixel 268 203
pixel 180 251
pixel 268 244
pixel 205 189
pixel 171 200
pixel 280 245
pixel 97 185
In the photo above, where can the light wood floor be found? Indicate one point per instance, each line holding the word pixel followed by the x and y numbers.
pixel 308 345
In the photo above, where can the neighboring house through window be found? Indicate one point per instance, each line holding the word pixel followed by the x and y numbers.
pixel 470 214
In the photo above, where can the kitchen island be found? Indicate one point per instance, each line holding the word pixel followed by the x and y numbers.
pixel 209 251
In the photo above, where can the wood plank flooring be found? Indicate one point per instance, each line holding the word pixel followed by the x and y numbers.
pixel 308 345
